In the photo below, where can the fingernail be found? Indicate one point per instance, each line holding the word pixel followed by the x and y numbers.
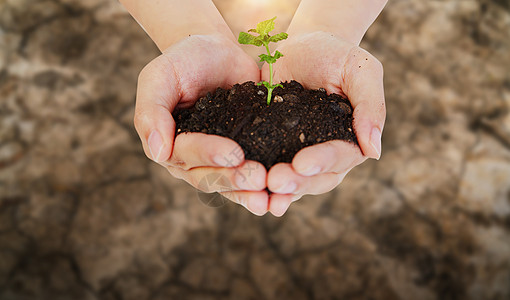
pixel 314 170
pixel 375 141
pixel 155 145
pixel 289 188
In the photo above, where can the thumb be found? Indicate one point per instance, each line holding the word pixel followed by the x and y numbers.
pixel 363 86
pixel 157 96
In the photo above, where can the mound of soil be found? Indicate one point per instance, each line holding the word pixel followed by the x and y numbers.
pixel 296 118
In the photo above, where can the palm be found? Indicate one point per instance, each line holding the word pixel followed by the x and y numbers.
pixel 201 63
pixel 316 61
pixel 182 74
pixel 321 60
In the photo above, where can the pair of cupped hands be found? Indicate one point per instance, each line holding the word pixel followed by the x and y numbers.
pixel 200 63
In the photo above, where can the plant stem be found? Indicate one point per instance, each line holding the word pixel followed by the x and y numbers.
pixel 270 67
pixel 269 90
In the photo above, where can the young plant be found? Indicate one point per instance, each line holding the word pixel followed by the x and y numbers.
pixel 263 38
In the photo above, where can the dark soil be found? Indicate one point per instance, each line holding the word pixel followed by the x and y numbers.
pixel 274 133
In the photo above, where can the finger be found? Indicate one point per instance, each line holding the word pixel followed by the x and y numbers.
pixel 250 176
pixel 201 150
pixel 333 156
pixel 279 204
pixel 282 179
pixel 255 202
pixel 157 95
pixel 363 85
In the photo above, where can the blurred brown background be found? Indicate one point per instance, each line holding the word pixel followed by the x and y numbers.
pixel 84 215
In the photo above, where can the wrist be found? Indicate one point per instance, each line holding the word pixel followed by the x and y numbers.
pixel 170 21
pixel 347 19
pixel 165 39
pixel 207 41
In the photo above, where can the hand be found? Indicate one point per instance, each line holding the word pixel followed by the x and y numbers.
pixel 184 72
pixel 320 59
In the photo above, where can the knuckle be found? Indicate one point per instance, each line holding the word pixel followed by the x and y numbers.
pixel 137 121
pixel 153 70
pixel 382 110
pixel 340 179
pixel 147 153
pixel 174 172
pixel 372 61
pixel 234 197
pixel 239 198
pixel 140 119
pixel 149 69
pixel 193 181
pixel 375 64
pixel 296 197
pixel 378 66
pixel 179 163
pixel 144 73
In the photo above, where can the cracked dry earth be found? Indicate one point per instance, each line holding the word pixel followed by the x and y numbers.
pixel 84 215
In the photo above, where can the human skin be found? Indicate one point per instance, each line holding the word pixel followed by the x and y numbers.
pixel 199 54
pixel 322 51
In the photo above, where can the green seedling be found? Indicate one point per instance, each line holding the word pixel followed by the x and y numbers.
pixel 263 38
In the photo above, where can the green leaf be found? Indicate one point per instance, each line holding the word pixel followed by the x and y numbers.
pixel 261 40
pixel 265 27
pixel 264 83
pixel 267 58
pixel 248 39
pixel 270 59
pixel 278 37
pixel 277 85
pixel 277 54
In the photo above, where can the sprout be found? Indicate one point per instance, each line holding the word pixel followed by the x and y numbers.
pixel 263 30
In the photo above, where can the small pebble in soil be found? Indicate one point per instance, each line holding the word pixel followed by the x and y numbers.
pixel 200 104
pixel 341 108
pixel 257 120
pixel 291 122
pixel 290 98
pixel 302 137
